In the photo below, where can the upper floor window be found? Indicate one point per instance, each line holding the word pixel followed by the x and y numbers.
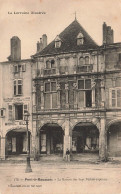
pixel 17 87
pixel 50 64
pixel 19 67
pixel 57 42
pixel 81 61
pixel 80 39
pixel 115 97
pixel 86 60
pixel 50 96
pixel 84 93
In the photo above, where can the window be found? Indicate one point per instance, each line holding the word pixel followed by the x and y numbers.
pixel 20 110
pixel 81 61
pixel 50 64
pixel 18 87
pixel 15 68
pixel 50 95
pixel 86 60
pixel 57 42
pixel 2 112
pixel 84 93
pixel 24 67
pixel 80 39
pixel 115 97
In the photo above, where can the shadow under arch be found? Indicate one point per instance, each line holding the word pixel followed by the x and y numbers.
pixel 51 138
pixel 114 138
pixel 85 138
pixel 16 141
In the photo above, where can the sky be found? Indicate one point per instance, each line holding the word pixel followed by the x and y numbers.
pixel 58 14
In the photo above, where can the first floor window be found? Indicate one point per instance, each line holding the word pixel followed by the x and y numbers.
pixel 115 97
pixel 50 95
pixel 84 93
pixel 20 110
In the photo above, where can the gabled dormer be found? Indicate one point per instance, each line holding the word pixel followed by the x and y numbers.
pixel 58 42
pixel 80 39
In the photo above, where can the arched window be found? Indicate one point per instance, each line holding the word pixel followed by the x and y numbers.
pixel 48 64
pixel 86 60
pixel 52 63
pixel 81 61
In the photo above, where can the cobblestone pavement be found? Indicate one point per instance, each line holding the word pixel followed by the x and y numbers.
pixel 52 177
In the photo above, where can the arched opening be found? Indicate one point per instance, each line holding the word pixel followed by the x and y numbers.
pixel 16 142
pixel 85 138
pixel 114 140
pixel 51 139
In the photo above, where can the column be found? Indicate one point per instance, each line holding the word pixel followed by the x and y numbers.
pixel 67 138
pixel 58 95
pixel 3 148
pixel 102 93
pixel 42 97
pixel 103 140
pixel 34 97
pixel 67 98
pixel 75 95
pixel 93 92
pixel 35 141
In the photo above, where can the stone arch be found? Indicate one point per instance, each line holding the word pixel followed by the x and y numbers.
pixel 112 122
pixel 94 121
pixel 16 141
pixel 85 136
pixel 114 138
pixel 59 123
pixel 51 137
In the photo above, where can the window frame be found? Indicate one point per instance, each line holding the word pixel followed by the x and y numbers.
pixel 116 98
pixel 50 93
pixel 84 91
pixel 16 85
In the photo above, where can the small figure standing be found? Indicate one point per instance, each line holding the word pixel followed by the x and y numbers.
pixel 67 155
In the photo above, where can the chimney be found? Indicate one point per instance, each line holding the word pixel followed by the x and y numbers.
pixel 42 44
pixel 15 43
pixel 44 40
pixel 108 37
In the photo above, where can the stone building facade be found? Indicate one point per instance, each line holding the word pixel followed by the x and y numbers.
pixel 72 90
pixel 77 94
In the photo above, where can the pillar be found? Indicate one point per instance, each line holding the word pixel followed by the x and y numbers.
pixel 93 92
pixel 3 148
pixel 102 93
pixel 103 140
pixel 67 138
pixel 35 141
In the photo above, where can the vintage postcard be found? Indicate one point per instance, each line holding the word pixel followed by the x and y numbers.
pixel 60 97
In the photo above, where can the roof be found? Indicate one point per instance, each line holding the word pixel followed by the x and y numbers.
pixel 69 41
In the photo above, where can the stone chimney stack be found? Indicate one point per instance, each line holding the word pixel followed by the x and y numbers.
pixel 15 43
pixel 44 40
pixel 42 44
pixel 108 37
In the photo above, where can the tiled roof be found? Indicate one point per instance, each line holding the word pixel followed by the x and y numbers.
pixel 69 41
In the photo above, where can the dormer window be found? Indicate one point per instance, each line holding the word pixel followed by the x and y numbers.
pixel 57 42
pixel 80 39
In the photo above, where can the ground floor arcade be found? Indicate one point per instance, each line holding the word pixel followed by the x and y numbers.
pixel 83 138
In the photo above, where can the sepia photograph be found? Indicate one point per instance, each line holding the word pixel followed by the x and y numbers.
pixel 60 97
